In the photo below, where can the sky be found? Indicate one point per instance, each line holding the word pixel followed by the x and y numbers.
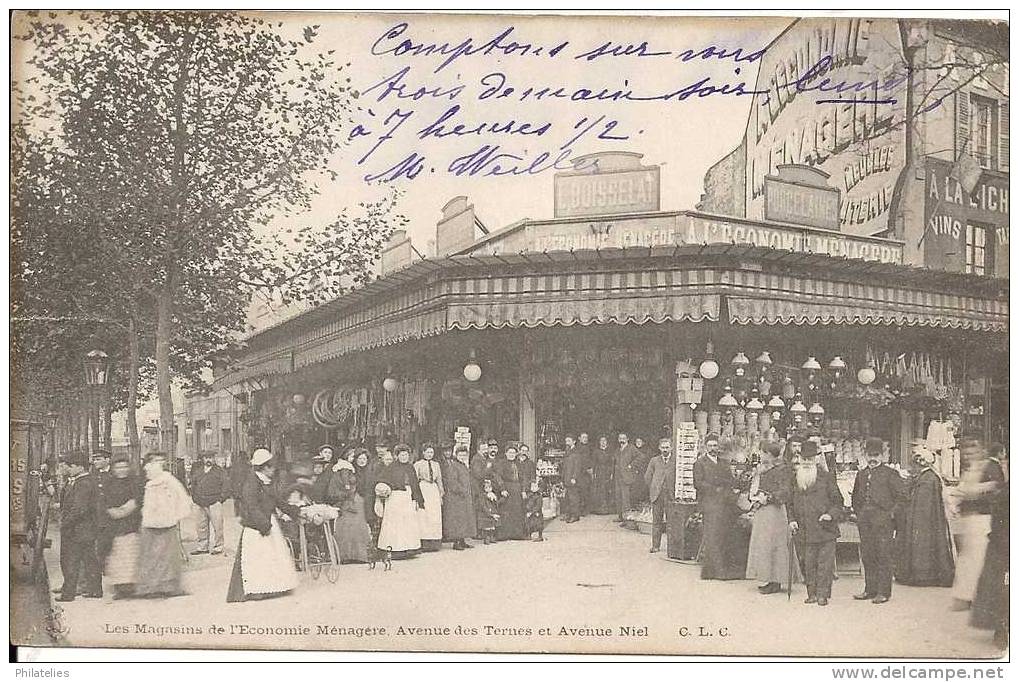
pixel 685 136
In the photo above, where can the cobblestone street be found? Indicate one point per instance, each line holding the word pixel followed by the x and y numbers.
pixel 591 585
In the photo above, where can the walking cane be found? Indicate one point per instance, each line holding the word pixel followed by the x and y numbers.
pixel 789 590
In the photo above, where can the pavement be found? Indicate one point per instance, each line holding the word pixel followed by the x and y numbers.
pixel 591 587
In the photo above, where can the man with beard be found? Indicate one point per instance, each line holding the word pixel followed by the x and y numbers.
pixel 877 492
pixel 924 541
pixel 483 467
pixel 816 508
pixel 713 480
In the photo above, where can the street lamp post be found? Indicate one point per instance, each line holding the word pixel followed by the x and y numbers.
pixel 97 370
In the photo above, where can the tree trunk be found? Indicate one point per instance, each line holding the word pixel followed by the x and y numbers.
pixel 134 353
pixel 167 432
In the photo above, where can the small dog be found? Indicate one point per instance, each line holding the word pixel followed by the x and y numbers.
pixel 375 555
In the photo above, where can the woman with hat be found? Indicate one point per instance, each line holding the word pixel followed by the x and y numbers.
pixel 924 552
pixel 459 520
pixel 770 491
pixel 352 531
pixel 121 501
pixel 398 503
pixel 263 567
pixel 322 473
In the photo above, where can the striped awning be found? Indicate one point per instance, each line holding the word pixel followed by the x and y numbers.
pixel 584 298
pixel 779 299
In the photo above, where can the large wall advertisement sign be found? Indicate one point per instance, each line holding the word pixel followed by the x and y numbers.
pixel 949 210
pixel 835 101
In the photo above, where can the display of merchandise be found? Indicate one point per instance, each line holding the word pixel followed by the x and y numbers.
pixel 687 440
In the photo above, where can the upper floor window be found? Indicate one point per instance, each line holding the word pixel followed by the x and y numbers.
pixel 979 250
pixel 982 138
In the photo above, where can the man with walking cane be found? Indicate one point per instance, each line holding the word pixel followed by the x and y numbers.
pixel 815 510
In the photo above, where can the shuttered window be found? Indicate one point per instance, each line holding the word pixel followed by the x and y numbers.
pixel 1003 136
pixel 983 145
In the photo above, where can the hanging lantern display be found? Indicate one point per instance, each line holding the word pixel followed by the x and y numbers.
pixel 755 403
pixel 776 403
pixel 866 375
pixel 816 412
pixel 739 364
pixel 389 384
pixel 764 359
pixel 472 370
pixel 298 399
pixel 838 368
pixel 708 368
pixel 727 400
pixel 798 410
pixel 812 364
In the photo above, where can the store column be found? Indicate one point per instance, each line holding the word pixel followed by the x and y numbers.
pixel 527 413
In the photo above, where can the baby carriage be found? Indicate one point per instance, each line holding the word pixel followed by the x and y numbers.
pixel 316 542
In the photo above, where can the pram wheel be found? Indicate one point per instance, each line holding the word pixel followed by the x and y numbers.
pixel 316 570
pixel 333 573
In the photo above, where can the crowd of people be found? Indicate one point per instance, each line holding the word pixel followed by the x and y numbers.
pixel 123 529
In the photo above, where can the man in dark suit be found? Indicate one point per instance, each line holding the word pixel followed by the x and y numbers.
pixel 877 492
pixel 716 500
pixel 573 472
pixel 624 475
pixel 210 488
pixel 79 508
pixel 815 510
pixel 660 477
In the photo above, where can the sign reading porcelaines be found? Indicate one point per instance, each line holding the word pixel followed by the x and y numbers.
pixel 607 183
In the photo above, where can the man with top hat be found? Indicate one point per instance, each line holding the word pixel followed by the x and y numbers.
pixel 210 488
pixel 716 500
pixel 815 510
pixel 99 470
pixel 586 465
pixel 877 493
pixel 79 509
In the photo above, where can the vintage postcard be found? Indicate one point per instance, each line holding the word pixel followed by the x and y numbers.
pixel 674 335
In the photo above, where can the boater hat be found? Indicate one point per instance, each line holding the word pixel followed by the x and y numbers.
pixel 260 456
pixel 875 446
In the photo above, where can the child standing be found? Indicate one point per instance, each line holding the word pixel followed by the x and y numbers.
pixel 488 512
pixel 534 519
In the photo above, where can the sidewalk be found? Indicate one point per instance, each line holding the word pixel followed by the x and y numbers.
pixel 586 576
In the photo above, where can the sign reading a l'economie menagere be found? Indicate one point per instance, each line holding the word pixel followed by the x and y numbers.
pixel 690 227
pixel 607 183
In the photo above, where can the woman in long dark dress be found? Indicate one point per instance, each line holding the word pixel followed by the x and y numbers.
pixel 400 532
pixel 122 501
pixel 264 566
pixel 990 606
pixel 459 520
pixel 511 508
pixel 365 484
pixel 352 531
pixel 924 551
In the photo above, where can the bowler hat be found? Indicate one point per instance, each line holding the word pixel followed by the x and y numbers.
pixel 875 446
pixel 809 449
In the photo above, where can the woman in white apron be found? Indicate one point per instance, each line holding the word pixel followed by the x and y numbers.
pixel 430 517
pixel 263 567
pixel 400 532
